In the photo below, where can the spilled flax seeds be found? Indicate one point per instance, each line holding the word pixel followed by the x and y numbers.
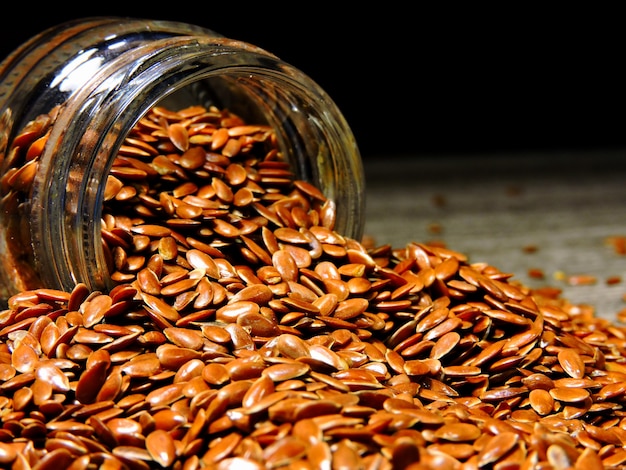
pixel 243 332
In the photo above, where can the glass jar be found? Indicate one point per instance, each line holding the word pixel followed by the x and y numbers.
pixel 98 77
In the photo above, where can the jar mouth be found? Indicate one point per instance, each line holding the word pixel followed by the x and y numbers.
pixel 175 73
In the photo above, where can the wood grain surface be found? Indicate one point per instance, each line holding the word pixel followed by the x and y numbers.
pixel 498 208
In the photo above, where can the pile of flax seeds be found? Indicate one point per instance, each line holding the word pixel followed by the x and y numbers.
pixel 243 332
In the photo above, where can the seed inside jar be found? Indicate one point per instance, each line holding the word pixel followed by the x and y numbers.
pixel 242 330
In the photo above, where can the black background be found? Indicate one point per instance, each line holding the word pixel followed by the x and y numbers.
pixel 423 81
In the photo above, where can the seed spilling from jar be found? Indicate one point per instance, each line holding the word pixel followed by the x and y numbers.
pixel 244 331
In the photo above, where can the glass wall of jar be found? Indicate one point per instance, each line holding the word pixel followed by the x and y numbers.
pixel 69 97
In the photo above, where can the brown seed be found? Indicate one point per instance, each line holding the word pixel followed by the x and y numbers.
pixel 541 401
pixel 53 375
pixel 350 308
pixel 257 293
pixel 458 432
pixel 24 358
pixel 285 264
pixel 178 135
pixel 496 447
pixel 142 366
pixel 201 260
pixel 90 382
pixel 286 371
pixel 185 338
pixel 258 325
pixel 160 307
pixel 231 312
pixel 572 363
pixel 284 451
pixel 222 449
pixel 161 447
pixel 215 373
pixel 22 398
pixel 445 344
pixel 96 309
pixel 148 281
pixel 461 371
pixel 292 346
pixel 535 381
pixel 262 387
pixel 173 357
pixel 569 394
pixel 612 390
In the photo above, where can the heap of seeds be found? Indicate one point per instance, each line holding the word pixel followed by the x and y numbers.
pixel 243 332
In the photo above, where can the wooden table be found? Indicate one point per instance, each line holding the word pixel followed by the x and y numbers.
pixel 494 208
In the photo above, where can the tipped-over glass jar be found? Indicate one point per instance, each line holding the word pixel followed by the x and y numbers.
pixel 87 83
